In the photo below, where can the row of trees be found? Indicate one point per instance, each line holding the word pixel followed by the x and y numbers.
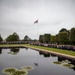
pixel 63 37
pixel 1 38
pixel 14 37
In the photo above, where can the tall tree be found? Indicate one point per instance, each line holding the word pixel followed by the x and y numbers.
pixel 26 38
pixel 72 36
pixel 47 38
pixel 53 38
pixel 63 37
pixel 56 38
pixel 41 38
pixel 13 37
pixel 63 30
pixel 1 39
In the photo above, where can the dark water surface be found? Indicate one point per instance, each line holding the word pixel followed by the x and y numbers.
pixel 42 62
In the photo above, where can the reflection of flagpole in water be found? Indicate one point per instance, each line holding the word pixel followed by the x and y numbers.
pixel 36 22
pixel 36 63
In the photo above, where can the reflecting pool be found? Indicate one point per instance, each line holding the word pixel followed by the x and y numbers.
pixel 34 62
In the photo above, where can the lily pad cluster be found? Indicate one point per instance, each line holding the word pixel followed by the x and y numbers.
pixel 28 68
pixel 15 71
pixel 65 63
pixel 68 65
pixel 57 62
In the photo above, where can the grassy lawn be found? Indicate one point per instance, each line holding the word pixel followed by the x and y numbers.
pixel 40 47
pixel 11 45
pixel 53 49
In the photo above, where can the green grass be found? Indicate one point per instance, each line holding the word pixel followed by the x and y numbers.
pixel 72 53
pixel 53 49
pixel 11 45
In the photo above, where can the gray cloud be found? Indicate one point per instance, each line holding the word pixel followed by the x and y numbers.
pixel 19 16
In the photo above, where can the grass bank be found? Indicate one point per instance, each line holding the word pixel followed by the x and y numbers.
pixel 72 53
pixel 11 45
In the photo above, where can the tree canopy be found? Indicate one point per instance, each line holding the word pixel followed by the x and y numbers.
pixel 41 38
pixel 1 39
pixel 63 30
pixel 13 37
pixel 47 38
pixel 53 38
pixel 26 38
pixel 63 37
pixel 72 35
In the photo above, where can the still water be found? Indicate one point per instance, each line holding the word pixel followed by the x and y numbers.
pixel 43 63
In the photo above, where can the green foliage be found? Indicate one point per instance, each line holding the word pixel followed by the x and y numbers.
pixel 41 38
pixel 57 62
pixel 53 38
pixel 68 65
pixel 13 37
pixel 9 71
pixel 63 37
pixel 64 63
pixel 20 72
pixel 47 38
pixel 63 30
pixel 26 38
pixel 72 35
pixel 1 39
pixel 28 68
pixel 14 71
pixel 56 36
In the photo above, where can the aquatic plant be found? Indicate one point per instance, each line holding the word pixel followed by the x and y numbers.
pixel 14 71
pixel 27 68
pixel 68 65
pixel 57 62
pixel 9 70
pixel 20 72
pixel 66 61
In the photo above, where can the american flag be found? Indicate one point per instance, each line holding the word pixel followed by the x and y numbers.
pixel 36 21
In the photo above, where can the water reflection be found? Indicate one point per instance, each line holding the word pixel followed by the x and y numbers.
pixel 53 55
pixel 65 62
pixel 13 51
pixel 41 61
pixel 26 48
pixel 0 50
pixel 60 60
pixel 45 54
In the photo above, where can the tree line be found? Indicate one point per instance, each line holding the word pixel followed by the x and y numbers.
pixel 14 37
pixel 63 37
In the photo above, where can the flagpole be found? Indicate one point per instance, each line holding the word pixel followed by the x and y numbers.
pixel 36 22
pixel 37 30
pixel 37 43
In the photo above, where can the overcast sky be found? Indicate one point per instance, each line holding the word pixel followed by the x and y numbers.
pixel 19 16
